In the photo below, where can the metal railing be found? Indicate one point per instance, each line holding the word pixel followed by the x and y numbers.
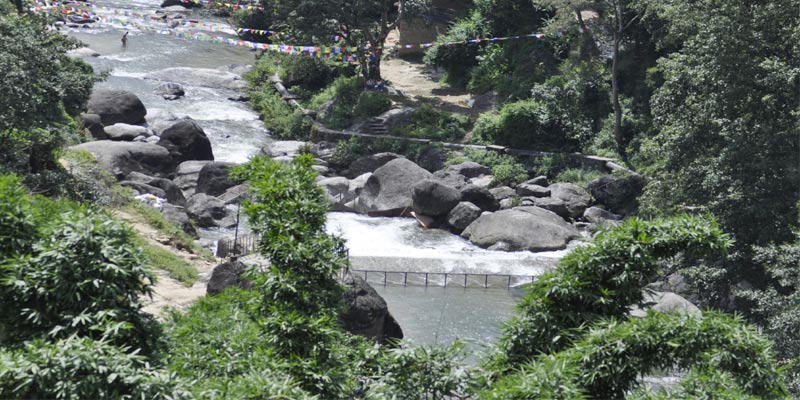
pixel 442 279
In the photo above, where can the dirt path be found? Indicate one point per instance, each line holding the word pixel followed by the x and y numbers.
pixel 416 80
pixel 168 291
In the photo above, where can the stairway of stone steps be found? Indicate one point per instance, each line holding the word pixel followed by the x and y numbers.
pixel 375 126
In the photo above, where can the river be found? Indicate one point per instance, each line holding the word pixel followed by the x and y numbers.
pixel 428 315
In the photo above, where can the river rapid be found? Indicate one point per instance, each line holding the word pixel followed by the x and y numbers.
pixel 428 315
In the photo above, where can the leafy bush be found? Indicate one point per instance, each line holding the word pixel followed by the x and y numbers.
pixel 82 368
pixel 371 104
pixel 344 92
pixel 347 151
pixel 602 280
pixel 579 176
pixel 505 168
pixel 157 258
pixel 458 60
pixel 431 123
pixel 279 118
pixel 83 277
pixel 526 125
pixel 41 85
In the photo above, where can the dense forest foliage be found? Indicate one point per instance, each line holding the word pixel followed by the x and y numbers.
pixel 702 98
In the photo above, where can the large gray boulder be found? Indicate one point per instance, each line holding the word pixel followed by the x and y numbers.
pixel 204 77
pixel 187 173
pixel 122 158
pixel 553 204
pixel 186 141
pixel 433 198
pixel 366 313
pixel 527 189
pixel 369 164
pixel 114 106
pixel 125 132
pixel 170 90
pixel 208 211
pixel 619 193
pixel 451 178
pixel 282 148
pixel 213 179
pixel 470 169
pixel 463 214
pixel 338 192
pixel 173 193
pixel 521 228
pixel 597 215
pixel 481 197
pixel 226 275
pixel 143 188
pixel 178 216
pixel 433 159
pixel 94 124
pixel 576 198
pixel 389 188
pixel 666 302
pixel 503 192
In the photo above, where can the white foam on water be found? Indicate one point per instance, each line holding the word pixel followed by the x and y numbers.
pixel 128 74
pixel 217 111
pixel 123 58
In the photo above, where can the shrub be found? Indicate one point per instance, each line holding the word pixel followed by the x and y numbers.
pixel 579 176
pixel 82 368
pixel 431 123
pixel 505 168
pixel 458 60
pixel 84 277
pixel 279 118
pixel 344 92
pixel 371 104
pixel 526 125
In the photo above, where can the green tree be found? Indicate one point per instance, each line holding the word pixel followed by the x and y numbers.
pixel 363 24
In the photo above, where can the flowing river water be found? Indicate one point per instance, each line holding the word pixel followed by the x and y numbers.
pixel 428 315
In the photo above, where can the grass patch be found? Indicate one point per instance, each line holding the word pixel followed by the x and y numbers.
pixel 178 268
pixel 153 217
pixel 579 176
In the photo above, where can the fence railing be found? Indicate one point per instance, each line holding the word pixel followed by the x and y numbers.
pixel 441 279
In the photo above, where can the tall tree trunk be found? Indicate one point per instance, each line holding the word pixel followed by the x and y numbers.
pixel 618 135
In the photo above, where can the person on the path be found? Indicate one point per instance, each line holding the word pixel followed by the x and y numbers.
pixel 125 39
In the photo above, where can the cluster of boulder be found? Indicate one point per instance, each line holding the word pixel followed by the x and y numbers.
pixel 533 215
pixel 162 155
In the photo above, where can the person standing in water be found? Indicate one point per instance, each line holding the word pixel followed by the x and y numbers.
pixel 125 39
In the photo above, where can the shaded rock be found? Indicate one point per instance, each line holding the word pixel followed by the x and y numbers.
pixel 186 175
pixel 480 196
pixel 226 275
pixel 521 228
pixel 366 312
pixel 204 77
pixel 433 159
pixel 178 216
pixel 369 163
pixel 94 124
pixel 186 141
pixel 486 101
pixel 431 197
pixel 503 192
pixel 482 181
pixel 509 202
pixel 619 194
pixel 281 148
pixel 174 195
pixel 666 302
pixel 576 198
pixel 238 69
pixel 170 90
pixel 463 214
pixel 557 206
pixel 338 192
pixel 539 180
pixel 527 189
pixel 390 187
pixel 207 211
pixel 122 158
pixel 125 132
pixel 213 178
pixel 114 106
pixel 470 169
pixel 598 215
pixel 397 117
pixel 451 178
pixel 143 188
